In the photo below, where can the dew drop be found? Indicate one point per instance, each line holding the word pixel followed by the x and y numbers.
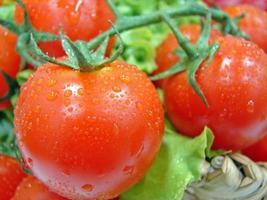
pixel 70 109
pixel 250 106
pixel 87 187
pixel 67 102
pixel 67 93
pixel 52 96
pixel 81 91
pixel 51 83
pixel 116 89
pixel 125 79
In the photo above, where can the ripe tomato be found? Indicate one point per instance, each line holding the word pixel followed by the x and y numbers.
pixel 89 135
pixel 80 20
pixel 32 189
pixel 233 84
pixel 222 3
pixel 254 23
pixel 9 60
pixel 258 151
pixel 167 48
pixel 11 175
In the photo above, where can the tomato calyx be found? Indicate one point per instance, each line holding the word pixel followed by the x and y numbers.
pixel 79 55
pixel 192 56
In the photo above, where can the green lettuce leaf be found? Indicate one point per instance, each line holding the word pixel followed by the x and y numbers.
pixel 7 137
pixel 177 165
pixel 7 12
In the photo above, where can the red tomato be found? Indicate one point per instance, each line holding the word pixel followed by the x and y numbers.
pixel 89 135
pixel 167 48
pixel 79 19
pixel 32 189
pixel 11 175
pixel 254 23
pixel 258 151
pixel 9 60
pixel 233 84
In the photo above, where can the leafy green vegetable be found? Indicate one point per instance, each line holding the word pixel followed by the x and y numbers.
pixel 141 44
pixel 177 165
pixel 7 137
pixel 7 12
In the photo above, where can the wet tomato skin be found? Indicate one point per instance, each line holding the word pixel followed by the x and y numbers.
pixel 166 57
pixel 11 175
pixel 32 189
pixel 233 84
pixel 89 135
pixel 9 61
pixel 258 151
pixel 80 20
pixel 254 23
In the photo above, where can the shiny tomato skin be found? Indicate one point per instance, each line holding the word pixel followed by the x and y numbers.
pixel 89 135
pixel 11 175
pixel 31 188
pixel 233 84
pixel 80 20
pixel 254 23
pixel 166 57
pixel 258 151
pixel 9 60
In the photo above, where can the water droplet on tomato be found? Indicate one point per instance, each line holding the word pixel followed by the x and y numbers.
pixel 67 102
pixel 67 93
pixel 116 89
pixel 124 79
pixel 128 170
pixel 81 91
pixel 70 109
pixel 52 96
pixel 51 83
pixel 87 187
pixel 250 106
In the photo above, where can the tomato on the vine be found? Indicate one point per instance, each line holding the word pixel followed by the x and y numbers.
pixel 233 84
pixel 258 151
pixel 32 189
pixel 166 56
pixel 80 20
pixel 9 61
pixel 11 175
pixel 89 135
pixel 254 23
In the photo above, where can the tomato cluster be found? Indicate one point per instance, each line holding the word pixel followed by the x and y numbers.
pixel 92 134
pixel 233 83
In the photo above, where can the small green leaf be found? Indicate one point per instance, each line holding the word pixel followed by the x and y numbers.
pixel 177 165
